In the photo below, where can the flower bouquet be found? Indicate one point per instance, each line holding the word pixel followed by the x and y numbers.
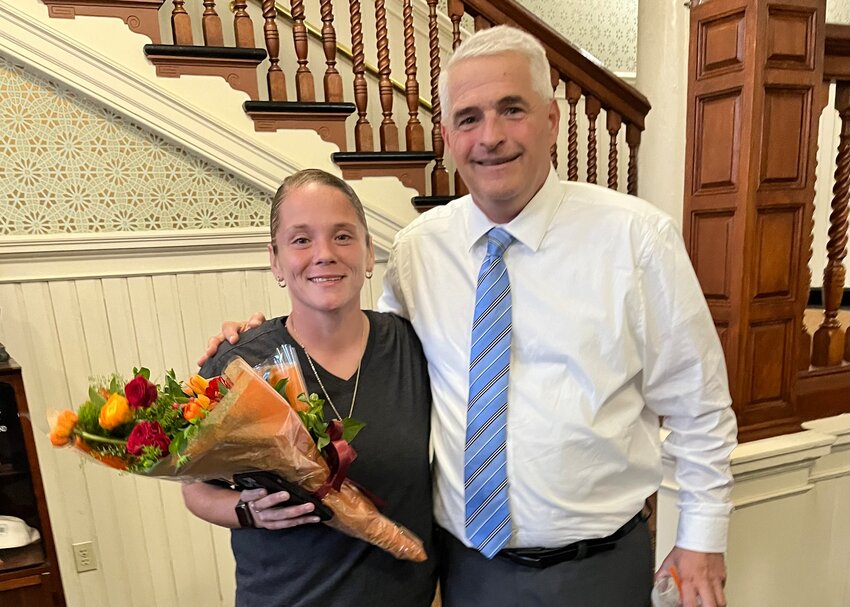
pixel 240 422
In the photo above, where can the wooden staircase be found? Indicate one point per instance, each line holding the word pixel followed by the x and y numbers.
pixel 586 86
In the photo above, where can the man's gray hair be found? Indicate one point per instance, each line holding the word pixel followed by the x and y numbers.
pixel 494 41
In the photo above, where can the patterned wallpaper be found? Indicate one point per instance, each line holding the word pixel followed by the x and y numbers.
pixel 69 165
pixel 607 29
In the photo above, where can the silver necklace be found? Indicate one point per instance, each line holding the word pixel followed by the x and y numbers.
pixel 291 324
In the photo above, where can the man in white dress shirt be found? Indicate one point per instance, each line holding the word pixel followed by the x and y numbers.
pixel 610 330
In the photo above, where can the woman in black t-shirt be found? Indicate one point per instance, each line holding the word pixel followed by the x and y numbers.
pixel 365 365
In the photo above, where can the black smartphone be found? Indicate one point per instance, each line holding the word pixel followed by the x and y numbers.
pixel 274 482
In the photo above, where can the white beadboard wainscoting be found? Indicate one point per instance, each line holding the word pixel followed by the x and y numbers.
pixel 71 308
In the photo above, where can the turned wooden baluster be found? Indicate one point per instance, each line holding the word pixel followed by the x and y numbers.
pixel 211 25
pixel 555 79
pixel 456 11
pixel 181 24
pixel 305 88
pixel 591 110
pixel 275 78
pixel 439 175
pixel 633 140
pixel 414 134
pixel 243 29
pixel 388 130
pixel 613 122
pixel 828 341
pixel 480 23
pixel 804 346
pixel 362 129
pixel 332 81
pixel 573 94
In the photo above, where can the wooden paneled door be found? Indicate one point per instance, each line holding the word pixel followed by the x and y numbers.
pixel 755 94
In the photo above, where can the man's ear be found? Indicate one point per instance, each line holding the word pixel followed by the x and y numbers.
pixel 446 139
pixel 554 120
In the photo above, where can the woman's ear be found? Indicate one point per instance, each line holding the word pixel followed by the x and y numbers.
pixel 273 261
pixel 370 260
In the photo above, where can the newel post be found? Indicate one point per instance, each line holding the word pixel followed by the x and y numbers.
pixel 755 94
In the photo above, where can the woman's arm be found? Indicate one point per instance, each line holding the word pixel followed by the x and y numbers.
pixel 217 505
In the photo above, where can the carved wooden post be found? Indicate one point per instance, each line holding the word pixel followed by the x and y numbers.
pixel 181 24
pixel 211 25
pixel 555 79
pixel 633 140
pixel 573 96
pixel 388 130
pixel 332 82
pixel 243 29
pixel 591 110
pixel 274 78
pixel 613 122
pixel 439 175
pixel 362 129
pixel 754 99
pixel 828 341
pixel 414 134
pixel 456 11
pixel 305 88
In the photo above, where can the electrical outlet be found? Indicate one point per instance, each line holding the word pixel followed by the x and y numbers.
pixel 84 556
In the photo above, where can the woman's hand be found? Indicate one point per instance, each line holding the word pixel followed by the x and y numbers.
pixel 271 511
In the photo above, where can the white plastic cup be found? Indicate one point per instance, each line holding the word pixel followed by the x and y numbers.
pixel 665 593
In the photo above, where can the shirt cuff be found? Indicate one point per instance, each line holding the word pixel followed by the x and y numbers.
pixel 702 533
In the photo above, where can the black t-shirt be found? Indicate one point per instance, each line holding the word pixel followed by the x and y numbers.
pixel 314 565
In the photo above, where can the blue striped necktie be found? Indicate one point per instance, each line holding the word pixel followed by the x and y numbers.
pixel 488 517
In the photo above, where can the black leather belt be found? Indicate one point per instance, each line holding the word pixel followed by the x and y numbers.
pixel 540 558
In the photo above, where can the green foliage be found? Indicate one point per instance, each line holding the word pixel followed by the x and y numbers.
pixel 87 417
pixel 314 420
pixel 144 372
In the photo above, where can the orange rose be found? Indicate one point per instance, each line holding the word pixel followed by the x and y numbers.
pixel 115 412
pixel 63 428
pixel 192 410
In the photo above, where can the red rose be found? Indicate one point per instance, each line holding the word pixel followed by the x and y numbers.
pixel 148 433
pixel 140 392
pixel 213 391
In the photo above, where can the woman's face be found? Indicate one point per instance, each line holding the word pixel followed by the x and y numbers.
pixel 322 249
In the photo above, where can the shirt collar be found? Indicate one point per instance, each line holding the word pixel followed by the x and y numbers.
pixel 529 227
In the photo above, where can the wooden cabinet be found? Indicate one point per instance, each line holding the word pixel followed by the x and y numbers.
pixel 29 574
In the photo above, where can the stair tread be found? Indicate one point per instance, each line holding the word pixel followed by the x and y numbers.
pixel 206 52
pixel 352 157
pixel 300 107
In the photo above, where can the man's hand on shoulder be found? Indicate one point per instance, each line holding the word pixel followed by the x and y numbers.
pixel 703 575
pixel 230 330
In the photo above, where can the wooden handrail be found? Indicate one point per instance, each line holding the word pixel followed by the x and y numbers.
pixel 836 64
pixel 571 62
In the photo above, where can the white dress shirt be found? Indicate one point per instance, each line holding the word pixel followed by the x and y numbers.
pixel 610 331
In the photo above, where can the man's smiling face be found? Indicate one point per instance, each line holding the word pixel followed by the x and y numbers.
pixel 499 132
